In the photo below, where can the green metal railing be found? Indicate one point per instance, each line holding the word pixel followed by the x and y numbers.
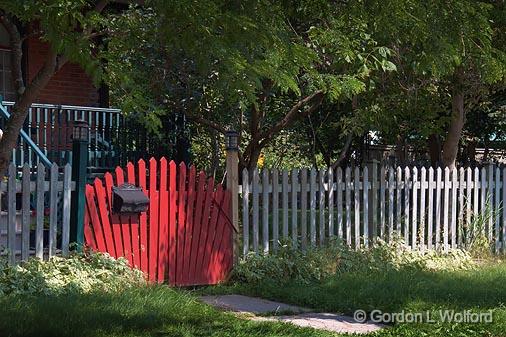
pixel 114 139
pixel 47 132
pixel 25 138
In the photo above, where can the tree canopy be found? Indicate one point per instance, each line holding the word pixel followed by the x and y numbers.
pixel 309 80
pixel 255 66
pixel 447 54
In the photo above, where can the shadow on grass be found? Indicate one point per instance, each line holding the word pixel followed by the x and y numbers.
pixel 155 311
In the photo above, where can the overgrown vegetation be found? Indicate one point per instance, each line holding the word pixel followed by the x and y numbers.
pixel 316 264
pixel 288 264
pixel 316 76
pixel 80 273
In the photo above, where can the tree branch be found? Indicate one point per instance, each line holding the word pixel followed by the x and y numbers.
pixel 100 5
pixel 254 122
pixel 204 121
pixel 54 62
pixel 344 151
pixel 293 114
pixel 260 139
pixel 241 125
pixel 16 44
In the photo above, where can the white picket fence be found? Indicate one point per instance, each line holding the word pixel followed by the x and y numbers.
pixel 429 208
pixel 25 229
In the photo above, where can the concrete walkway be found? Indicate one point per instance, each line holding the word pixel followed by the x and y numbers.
pixel 303 317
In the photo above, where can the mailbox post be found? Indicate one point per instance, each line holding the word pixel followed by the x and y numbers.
pixel 79 175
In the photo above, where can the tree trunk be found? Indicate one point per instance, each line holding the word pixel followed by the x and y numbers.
pixel 400 149
pixel 486 152
pixel 11 133
pixel 20 108
pixel 344 152
pixel 215 156
pixel 253 158
pixel 248 158
pixel 451 143
pixel 27 93
pixel 434 144
pixel 471 152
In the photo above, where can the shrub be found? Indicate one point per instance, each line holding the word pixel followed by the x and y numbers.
pixel 288 264
pixel 396 255
pixel 79 273
pixel 318 263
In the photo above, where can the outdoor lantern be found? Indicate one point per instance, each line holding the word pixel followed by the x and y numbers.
pixel 232 138
pixel 80 131
pixel 128 198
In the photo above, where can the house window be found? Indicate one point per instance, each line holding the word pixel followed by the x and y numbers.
pixel 6 87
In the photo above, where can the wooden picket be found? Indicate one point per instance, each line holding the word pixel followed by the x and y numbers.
pixel 185 236
pixel 275 209
pixel 265 211
pixel 428 208
pixel 24 203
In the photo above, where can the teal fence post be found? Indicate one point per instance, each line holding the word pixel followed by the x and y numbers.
pixel 79 176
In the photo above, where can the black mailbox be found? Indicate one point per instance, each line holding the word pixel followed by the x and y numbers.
pixel 129 198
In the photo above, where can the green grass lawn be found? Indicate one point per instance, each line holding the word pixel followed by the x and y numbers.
pixel 393 291
pixel 161 311
pixel 146 311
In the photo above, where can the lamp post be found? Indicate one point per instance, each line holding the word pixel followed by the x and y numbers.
pixel 232 148
pixel 80 141
pixel 231 140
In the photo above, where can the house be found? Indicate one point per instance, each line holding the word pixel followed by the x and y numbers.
pixel 70 95
pixel 70 86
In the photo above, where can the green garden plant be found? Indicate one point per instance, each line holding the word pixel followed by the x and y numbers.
pixel 79 273
pixel 474 234
pixel 288 263
pixel 316 264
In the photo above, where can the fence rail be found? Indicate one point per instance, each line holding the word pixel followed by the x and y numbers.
pixel 35 215
pixel 429 208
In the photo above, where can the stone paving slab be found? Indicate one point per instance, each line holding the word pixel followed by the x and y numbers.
pixel 250 305
pixel 302 317
pixel 328 322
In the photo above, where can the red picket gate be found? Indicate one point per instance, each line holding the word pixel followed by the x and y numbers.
pixel 184 238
